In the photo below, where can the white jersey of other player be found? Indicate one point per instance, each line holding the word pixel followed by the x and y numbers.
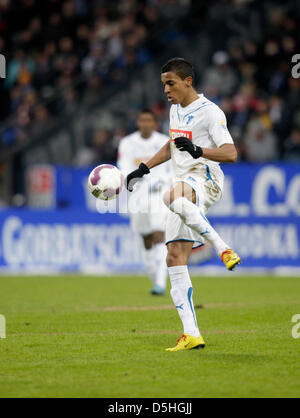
pixel 204 123
pixel 147 210
pixel 134 149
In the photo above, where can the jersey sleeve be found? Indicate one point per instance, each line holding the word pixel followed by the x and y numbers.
pixel 165 139
pixel 217 126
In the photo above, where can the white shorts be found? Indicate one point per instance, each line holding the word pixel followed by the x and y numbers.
pixel 149 216
pixel 207 193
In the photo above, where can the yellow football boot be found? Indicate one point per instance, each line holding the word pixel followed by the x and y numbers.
pixel 187 342
pixel 230 259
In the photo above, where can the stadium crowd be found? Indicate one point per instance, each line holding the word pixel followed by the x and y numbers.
pixel 67 47
pixel 62 53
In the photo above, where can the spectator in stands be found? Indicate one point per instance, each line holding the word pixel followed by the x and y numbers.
pixel 41 120
pixel 84 157
pixel 20 70
pixel 292 146
pixel 62 55
pixel 103 149
pixel 220 79
pixel 260 141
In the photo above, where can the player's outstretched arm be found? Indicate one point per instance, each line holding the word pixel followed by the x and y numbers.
pixel 163 155
pixel 226 153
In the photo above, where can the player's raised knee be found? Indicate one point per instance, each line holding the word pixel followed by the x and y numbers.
pixel 172 260
pixel 173 257
pixel 173 194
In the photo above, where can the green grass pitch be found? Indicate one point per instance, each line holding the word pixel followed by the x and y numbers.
pixel 80 336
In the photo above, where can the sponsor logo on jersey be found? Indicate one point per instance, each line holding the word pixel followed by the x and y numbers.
pixel 176 133
pixel 223 124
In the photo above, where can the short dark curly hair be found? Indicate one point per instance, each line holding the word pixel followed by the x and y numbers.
pixel 149 111
pixel 179 66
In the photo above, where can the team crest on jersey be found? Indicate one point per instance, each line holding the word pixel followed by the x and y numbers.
pixel 189 119
pixel 176 133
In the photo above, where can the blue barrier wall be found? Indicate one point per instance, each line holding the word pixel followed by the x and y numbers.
pixel 258 216
pixel 67 240
pixel 261 190
pixel 76 241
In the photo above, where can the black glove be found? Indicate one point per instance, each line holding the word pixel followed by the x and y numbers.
pixel 184 144
pixel 133 177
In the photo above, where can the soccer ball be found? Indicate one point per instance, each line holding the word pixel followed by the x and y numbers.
pixel 106 182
